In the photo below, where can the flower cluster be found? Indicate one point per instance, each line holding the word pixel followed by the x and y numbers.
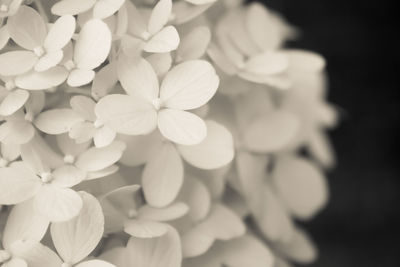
pixel 158 133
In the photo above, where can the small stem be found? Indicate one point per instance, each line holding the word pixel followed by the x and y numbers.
pixel 42 11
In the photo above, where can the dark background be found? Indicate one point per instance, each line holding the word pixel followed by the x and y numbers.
pixel 360 40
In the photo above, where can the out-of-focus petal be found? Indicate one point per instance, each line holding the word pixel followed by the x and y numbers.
pixel 95 159
pixel 159 16
pixel 57 121
pixel 145 228
pixel 27 28
pixel 166 40
pixel 154 252
pixel 163 177
pixel 17 185
pixel 215 151
pixel 72 7
pixel 17 62
pixel 13 101
pixel 105 8
pixel 42 80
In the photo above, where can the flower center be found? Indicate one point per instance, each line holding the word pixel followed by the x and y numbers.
pixel 10 85
pixel 46 177
pixel 69 159
pixel 39 51
pixel 29 116
pixel 4 256
pixel 98 123
pixel 69 65
pixel 132 213
pixel 3 162
pixel 145 36
pixel 4 8
pixel 156 103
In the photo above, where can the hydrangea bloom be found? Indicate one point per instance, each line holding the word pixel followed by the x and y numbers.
pixel 158 133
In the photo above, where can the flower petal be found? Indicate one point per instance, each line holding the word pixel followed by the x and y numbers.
pixel 16 132
pixel 76 239
pixel 169 213
pixel 67 176
pixel 272 132
pixel 24 223
pixel 17 184
pixel 189 85
pixel 126 115
pixel 57 121
pixel 93 44
pixel 71 7
pixel 301 185
pixel 104 81
pixel 84 106
pixel 104 136
pixel 181 127
pixel 267 63
pixel 17 62
pixel 42 80
pixel 79 77
pixel 148 145
pixel 145 228
pixel 194 44
pixel 95 159
pixel 164 41
pixel 13 101
pixel 154 252
pixel 105 8
pixel 95 263
pixel 27 28
pixel 49 60
pixel 35 254
pixel 138 78
pixel 4 37
pixel 60 33
pixel 215 151
pixel 159 16
pixel 57 204
pixel 163 177
pixel 195 194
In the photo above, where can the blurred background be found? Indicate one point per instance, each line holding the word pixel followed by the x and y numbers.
pixel 361 43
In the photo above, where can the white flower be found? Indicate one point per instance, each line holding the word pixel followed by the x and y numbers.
pixel 46 182
pixel 152 35
pixel 44 48
pixel 188 85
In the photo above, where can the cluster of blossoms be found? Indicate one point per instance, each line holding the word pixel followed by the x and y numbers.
pixel 157 134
